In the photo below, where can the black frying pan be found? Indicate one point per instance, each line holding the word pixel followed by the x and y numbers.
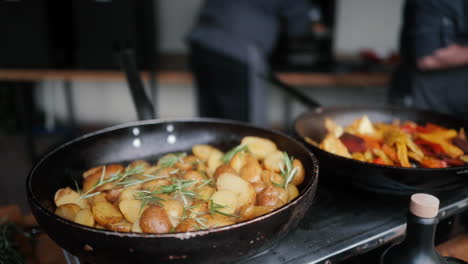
pixel 149 140
pixel 374 177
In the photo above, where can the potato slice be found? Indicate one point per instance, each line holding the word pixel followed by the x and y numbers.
pixel 238 161
pixel 85 217
pixel 255 211
pixel 106 172
pixel 259 147
pixel 251 171
pixel 214 161
pixel 226 200
pixel 105 213
pixel 293 192
pixel 188 225
pixel 127 194
pixel 272 196
pixel 274 161
pixel 202 151
pixel 242 188
pixel 204 193
pixel 67 195
pixel 195 176
pixel 68 211
pixel 131 209
pixel 136 226
pixel 259 186
pixel 218 220
pixel 121 226
pixel 155 220
pixel 174 210
pixel 100 197
pixel 198 208
pixel 270 177
pixel 222 169
pixel 300 173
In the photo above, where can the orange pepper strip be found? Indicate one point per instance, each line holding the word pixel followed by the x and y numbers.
pixel 402 154
pixel 390 153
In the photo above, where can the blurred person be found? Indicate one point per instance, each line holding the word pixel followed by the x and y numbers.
pixel 228 45
pixel 434 47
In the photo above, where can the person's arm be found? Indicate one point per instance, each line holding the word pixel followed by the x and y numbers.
pixel 454 55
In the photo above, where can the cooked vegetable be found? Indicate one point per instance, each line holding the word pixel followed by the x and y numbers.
pixel 185 192
pixel 405 145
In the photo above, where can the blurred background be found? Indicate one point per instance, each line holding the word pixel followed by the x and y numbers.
pixel 60 76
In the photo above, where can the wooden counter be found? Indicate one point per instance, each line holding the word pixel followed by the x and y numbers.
pixel 182 77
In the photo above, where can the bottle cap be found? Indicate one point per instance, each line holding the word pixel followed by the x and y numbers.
pixel 424 205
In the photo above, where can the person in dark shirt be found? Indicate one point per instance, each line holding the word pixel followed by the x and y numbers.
pixel 228 44
pixel 434 49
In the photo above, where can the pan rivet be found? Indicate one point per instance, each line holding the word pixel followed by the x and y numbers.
pixel 170 128
pixel 137 143
pixel 171 139
pixel 136 131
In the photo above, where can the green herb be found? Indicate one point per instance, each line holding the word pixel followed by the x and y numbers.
pixel 8 248
pixel 171 159
pixel 147 198
pixel 132 181
pixel 214 208
pixel 287 170
pixel 202 222
pixel 228 156
pixel 204 182
pixel 112 178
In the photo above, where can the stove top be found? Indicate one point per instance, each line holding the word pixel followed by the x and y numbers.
pixel 346 222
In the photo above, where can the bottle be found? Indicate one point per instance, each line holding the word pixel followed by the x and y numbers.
pixel 418 245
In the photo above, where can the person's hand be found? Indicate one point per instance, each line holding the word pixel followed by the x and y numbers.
pixel 451 56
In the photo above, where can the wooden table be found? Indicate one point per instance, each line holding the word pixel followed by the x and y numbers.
pixel 183 77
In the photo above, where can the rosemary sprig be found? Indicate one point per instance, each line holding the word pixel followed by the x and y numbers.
pixel 171 159
pixel 228 156
pixel 201 222
pixel 147 198
pixel 132 181
pixel 287 170
pixel 8 247
pixel 214 209
pixel 112 178
pixel 204 182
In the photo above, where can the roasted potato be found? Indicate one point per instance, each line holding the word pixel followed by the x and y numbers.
pixel 224 201
pixel 155 220
pixel 300 174
pixel 293 192
pixel 254 211
pixel 68 211
pixel 270 177
pixel 131 209
pixel 85 217
pixel 193 176
pixel 105 213
pixel 121 226
pixel 202 152
pixel 223 169
pixel 205 192
pixel 105 172
pixel 274 161
pixel 174 210
pixel 67 195
pixel 259 147
pixel 251 171
pixel 243 189
pixel 214 161
pixel 272 196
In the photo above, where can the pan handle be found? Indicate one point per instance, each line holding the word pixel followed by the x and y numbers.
pixel 301 97
pixel 143 105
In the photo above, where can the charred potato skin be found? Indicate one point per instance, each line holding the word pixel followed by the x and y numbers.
pixel 155 220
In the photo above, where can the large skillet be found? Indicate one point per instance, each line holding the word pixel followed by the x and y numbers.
pixel 148 140
pixel 369 176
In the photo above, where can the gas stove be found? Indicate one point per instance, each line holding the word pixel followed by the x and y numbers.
pixel 345 222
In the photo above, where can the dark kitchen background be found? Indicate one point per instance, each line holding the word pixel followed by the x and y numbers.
pixel 60 75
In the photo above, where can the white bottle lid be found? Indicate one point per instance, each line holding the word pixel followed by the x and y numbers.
pixel 424 205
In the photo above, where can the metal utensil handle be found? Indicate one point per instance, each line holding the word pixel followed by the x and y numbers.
pixel 143 105
pixel 301 97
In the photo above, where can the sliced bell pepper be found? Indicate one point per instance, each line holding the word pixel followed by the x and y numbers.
pixel 428 162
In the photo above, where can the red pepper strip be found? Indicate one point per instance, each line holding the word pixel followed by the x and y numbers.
pixel 379 161
pixel 454 162
pixel 353 143
pixel 429 148
pixel 409 127
pixel 433 163
pixel 430 127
